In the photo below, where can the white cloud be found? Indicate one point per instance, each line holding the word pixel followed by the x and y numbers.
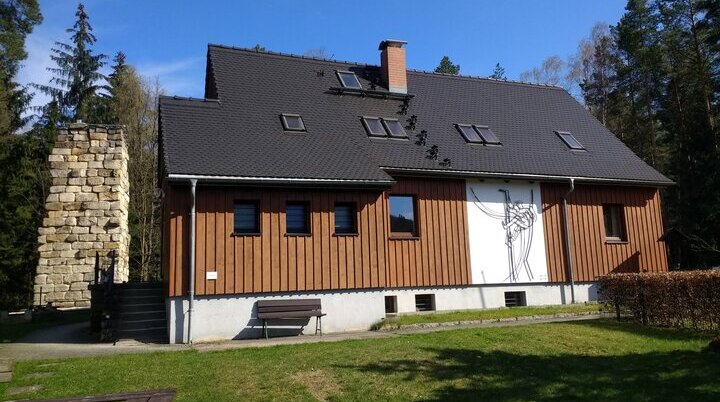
pixel 177 77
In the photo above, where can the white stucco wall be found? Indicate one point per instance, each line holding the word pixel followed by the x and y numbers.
pixel 233 316
pixel 488 214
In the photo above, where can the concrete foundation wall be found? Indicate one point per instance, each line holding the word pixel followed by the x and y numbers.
pixel 233 316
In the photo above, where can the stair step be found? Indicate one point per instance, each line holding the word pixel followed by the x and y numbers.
pixel 141 292
pixel 141 324
pixel 123 299
pixel 138 307
pixel 142 315
pixel 139 285
pixel 159 333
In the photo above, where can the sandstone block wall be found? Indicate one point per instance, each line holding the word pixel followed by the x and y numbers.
pixel 86 212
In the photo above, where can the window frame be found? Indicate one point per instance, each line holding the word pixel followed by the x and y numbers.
pixel 564 137
pixel 485 141
pixel 256 203
pixel 415 234
pixel 369 131
pixel 340 73
pixel 308 219
pixel 460 126
pixel 389 131
pixel 619 209
pixel 354 218
pixel 286 127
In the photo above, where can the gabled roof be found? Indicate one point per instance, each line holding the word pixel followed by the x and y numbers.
pixel 239 134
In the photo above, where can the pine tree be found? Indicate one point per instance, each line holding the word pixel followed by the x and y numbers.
pixel 17 20
pixel 446 67
pixel 77 79
pixel 498 73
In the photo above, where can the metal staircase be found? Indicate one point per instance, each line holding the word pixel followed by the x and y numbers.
pixel 140 312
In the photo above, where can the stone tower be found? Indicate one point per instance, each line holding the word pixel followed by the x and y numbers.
pixel 86 213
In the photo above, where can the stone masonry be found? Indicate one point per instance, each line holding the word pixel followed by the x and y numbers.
pixel 86 212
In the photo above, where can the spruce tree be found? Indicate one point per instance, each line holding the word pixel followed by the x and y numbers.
pixel 498 73
pixel 447 67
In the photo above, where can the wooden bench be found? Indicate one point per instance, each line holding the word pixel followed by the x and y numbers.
pixel 290 309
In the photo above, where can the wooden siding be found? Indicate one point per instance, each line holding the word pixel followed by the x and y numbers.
pixel 440 253
pixel 275 262
pixel 592 256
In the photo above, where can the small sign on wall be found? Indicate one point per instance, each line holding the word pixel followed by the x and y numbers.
pixel 211 275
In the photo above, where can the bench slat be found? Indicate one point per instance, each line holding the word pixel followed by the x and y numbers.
pixel 290 314
pixel 288 308
pixel 291 302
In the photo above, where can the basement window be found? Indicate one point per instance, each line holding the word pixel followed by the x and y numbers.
pixel 391 305
pixel 515 299
pixel 425 302
pixel 292 122
pixel 614 219
pixel 246 219
pixel 348 79
pixel 374 127
pixel 570 140
pixel 297 219
pixel 394 127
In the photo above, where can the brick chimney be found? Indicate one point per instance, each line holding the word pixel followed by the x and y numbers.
pixel 392 65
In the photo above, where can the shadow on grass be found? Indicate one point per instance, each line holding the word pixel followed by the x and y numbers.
pixel 458 374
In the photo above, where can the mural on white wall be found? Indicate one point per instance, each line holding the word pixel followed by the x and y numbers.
pixel 505 225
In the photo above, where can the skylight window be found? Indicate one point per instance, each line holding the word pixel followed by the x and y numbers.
pixel 348 79
pixel 487 135
pixel 374 127
pixel 570 140
pixel 469 133
pixel 394 127
pixel 292 122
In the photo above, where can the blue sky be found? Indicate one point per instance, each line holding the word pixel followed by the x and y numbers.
pixel 167 39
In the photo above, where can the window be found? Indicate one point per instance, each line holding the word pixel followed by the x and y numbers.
pixel 515 299
pixel 394 127
pixel 297 218
pixel 487 135
pixel 469 133
pixel 614 222
pixel 246 218
pixel 390 304
pixel 425 302
pixel 402 216
pixel 292 122
pixel 374 127
pixel 345 218
pixel 348 79
pixel 570 140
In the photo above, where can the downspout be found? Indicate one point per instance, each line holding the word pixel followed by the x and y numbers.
pixel 191 291
pixel 568 254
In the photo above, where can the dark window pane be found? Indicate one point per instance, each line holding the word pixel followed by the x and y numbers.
pixel 345 218
pixel 374 126
pixel 402 214
pixel 293 122
pixel 469 133
pixel 246 218
pixel 487 135
pixel 614 225
pixel 570 140
pixel 349 80
pixel 296 215
pixel 394 128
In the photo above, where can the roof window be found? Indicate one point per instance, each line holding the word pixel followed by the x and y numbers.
pixel 394 128
pixel 292 122
pixel 487 135
pixel 477 134
pixel 570 140
pixel 348 79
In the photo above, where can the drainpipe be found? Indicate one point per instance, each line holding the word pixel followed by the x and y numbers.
pixel 568 254
pixel 191 291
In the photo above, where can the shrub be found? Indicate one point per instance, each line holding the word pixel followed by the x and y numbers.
pixel 688 299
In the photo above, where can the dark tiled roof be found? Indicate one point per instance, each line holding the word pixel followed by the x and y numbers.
pixel 240 133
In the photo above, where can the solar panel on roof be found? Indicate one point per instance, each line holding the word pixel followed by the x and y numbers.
pixel 348 79
pixel 570 140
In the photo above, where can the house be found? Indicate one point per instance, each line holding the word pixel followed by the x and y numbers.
pixel 384 190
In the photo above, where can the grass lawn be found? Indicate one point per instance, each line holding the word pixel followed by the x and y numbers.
pixel 486 314
pixel 588 360
pixel 12 332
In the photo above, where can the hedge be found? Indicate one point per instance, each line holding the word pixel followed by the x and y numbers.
pixel 689 299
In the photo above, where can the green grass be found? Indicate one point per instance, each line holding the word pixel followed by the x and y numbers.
pixel 12 332
pixel 589 360
pixel 485 314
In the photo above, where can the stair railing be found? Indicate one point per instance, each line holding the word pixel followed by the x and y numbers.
pixel 104 300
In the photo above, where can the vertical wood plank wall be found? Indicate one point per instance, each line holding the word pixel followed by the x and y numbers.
pixel 592 256
pixel 273 261
pixel 440 254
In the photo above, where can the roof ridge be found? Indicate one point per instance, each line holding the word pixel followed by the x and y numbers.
pixel 410 70
pixel 188 98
